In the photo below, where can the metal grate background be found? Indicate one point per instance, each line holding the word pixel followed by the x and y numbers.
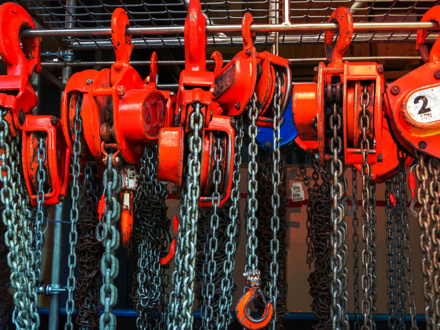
pixel 97 13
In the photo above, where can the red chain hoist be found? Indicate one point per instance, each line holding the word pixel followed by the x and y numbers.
pixel 346 82
pixel 196 88
pixel 17 94
pixel 412 99
pixel 120 112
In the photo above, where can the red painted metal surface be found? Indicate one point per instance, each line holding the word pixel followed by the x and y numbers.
pixel 412 101
pixel 119 110
pixel 16 92
pixel 57 161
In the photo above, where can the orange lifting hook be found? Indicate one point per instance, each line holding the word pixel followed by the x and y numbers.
pixel 172 252
pixel 254 291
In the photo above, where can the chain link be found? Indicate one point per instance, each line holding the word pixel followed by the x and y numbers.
pixel 425 223
pixel 338 312
pixel 409 274
pixel 74 212
pixel 108 234
pixel 355 223
pixel 227 282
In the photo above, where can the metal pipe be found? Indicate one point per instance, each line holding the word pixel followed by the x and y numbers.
pixel 286 12
pixel 54 310
pixel 181 62
pixel 285 27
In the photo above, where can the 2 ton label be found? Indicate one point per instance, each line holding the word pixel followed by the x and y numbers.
pixel 424 105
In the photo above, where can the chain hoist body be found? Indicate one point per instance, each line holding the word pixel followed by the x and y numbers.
pixel 412 100
pixel 196 88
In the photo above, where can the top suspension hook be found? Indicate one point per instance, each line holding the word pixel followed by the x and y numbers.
pixel 432 14
pixel 334 51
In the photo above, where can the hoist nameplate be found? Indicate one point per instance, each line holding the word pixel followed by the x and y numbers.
pixel 423 106
pixel 225 81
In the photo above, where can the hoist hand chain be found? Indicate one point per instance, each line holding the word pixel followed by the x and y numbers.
pixel 209 320
pixel 74 215
pixel 338 235
pixel 39 216
pixel 89 252
pixel 16 218
pixel 409 273
pixel 107 233
pixel 367 218
pixel 227 283
pixel 425 223
pixel 399 252
pixel 391 258
pixel 6 299
pixel 373 220
pixel 355 222
pixel 151 234
pixel 182 297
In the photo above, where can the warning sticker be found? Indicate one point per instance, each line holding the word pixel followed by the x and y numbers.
pixel 297 192
pixel 424 106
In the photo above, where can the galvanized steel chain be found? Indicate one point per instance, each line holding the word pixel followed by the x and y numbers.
pixel 39 215
pixel 6 299
pixel 338 234
pixel 425 222
pixel 89 252
pixel 209 320
pixel 434 192
pixel 409 273
pixel 391 258
pixel 227 282
pixel 108 234
pixel 367 215
pixel 355 223
pixel 399 252
pixel 252 202
pixel 182 297
pixel 275 199
pixel 373 249
pixel 18 237
pixel 151 234
pixel 74 213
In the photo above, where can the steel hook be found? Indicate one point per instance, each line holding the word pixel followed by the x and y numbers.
pixel 341 16
pixel 247 35
pixel 432 14
pixel 242 310
pixel 19 61
pixel 121 41
pixel 172 252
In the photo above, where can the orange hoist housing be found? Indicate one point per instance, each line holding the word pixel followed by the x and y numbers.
pixel 196 88
pixel 413 102
pixel 343 83
pixel 119 110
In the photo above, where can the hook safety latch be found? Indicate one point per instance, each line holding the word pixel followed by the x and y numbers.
pixel 172 252
pixel 253 292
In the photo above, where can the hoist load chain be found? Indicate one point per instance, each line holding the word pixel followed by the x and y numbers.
pixel 108 235
pixel 182 297
pixel 355 223
pixel 152 238
pixel 89 252
pixel 6 299
pixel 19 234
pixel 338 234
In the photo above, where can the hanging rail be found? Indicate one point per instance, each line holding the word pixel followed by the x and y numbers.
pixel 285 27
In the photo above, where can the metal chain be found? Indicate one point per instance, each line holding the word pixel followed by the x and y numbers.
pixel 391 258
pixel 409 274
pixel 275 199
pixel 19 234
pixel 39 216
pixel 74 212
pixel 151 234
pixel 434 192
pixel 355 222
pixel 252 202
pixel 367 215
pixel 108 234
pixel 227 283
pixel 182 297
pixel 399 252
pixel 6 299
pixel 209 320
pixel 425 222
pixel 373 249
pixel 338 312
pixel 89 252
